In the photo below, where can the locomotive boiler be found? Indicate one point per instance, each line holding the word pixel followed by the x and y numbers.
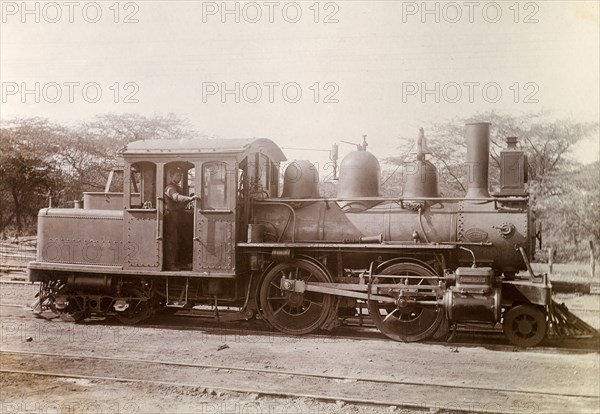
pixel 421 263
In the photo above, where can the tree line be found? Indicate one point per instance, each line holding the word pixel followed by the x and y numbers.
pixel 564 193
pixel 43 162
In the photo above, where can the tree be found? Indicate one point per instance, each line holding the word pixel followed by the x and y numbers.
pixel 564 201
pixel 93 146
pixel 117 130
pixel 570 210
pixel 545 141
pixel 28 172
pixel 41 160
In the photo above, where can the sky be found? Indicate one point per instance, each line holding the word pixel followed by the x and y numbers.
pixel 305 74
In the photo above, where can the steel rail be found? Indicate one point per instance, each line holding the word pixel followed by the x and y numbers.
pixel 351 330
pixel 354 331
pixel 439 199
pixel 301 374
pixel 334 399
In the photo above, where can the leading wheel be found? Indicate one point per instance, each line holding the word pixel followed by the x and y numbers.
pixel 409 322
pixel 293 312
pixel 525 325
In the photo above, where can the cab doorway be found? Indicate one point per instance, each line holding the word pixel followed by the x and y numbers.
pixel 178 216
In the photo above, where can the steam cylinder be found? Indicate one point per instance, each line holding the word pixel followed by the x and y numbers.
pixel 359 175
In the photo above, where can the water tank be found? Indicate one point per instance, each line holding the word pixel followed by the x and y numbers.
pixel 301 180
pixel 359 175
pixel 419 179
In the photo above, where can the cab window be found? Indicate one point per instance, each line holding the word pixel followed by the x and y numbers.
pixel 143 185
pixel 214 186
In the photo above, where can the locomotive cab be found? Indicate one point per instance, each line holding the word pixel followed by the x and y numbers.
pixel 114 255
pixel 219 175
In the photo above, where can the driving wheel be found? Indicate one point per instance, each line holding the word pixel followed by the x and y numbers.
pixel 294 312
pixel 405 322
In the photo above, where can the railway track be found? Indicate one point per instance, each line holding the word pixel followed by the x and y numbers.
pixel 292 382
pixel 491 339
pixel 273 382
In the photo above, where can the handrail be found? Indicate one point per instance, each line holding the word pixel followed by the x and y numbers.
pixel 439 199
pixel 527 264
pixel 158 233
pixel 196 238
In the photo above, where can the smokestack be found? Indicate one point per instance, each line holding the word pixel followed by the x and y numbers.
pixel 478 153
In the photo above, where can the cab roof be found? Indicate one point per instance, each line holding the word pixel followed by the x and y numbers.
pixel 197 146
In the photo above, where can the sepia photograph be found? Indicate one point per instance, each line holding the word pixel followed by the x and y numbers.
pixel 299 207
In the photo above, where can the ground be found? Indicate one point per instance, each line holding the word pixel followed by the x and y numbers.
pixel 492 377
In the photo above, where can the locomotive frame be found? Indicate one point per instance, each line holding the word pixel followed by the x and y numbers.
pixel 299 261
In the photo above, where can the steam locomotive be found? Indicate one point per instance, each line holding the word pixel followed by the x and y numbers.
pixel 419 262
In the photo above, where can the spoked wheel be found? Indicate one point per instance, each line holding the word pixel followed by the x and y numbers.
pixel 410 322
pixel 139 307
pixel 293 312
pixel 525 325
